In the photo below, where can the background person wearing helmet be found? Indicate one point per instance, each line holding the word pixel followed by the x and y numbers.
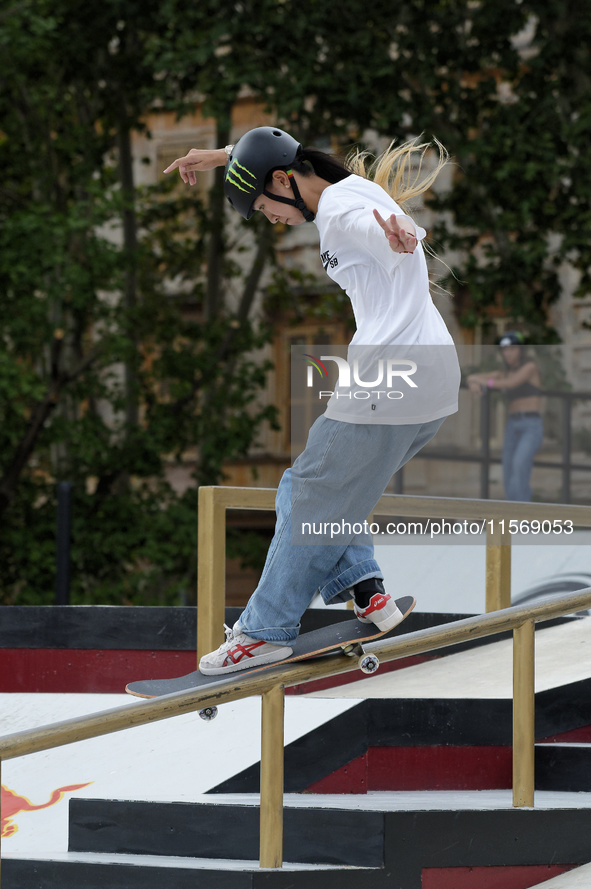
pixel 524 432
pixel 372 249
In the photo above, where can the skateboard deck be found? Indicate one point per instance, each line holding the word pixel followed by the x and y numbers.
pixel 317 643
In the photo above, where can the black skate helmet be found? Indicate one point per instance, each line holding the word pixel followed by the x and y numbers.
pixel 511 338
pixel 255 155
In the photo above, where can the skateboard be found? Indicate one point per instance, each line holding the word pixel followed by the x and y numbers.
pixel 347 636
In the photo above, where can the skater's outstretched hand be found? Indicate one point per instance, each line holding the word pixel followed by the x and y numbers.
pixel 198 160
pixel 400 232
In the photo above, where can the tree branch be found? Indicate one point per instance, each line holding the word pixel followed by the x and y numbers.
pixel 40 414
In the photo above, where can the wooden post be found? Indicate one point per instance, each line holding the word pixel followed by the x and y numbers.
pixel 524 714
pixel 211 572
pixel 498 568
pixel 271 843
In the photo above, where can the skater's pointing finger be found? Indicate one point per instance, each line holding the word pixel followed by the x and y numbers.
pixel 382 222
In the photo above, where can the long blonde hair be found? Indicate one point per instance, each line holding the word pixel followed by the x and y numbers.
pixel 400 169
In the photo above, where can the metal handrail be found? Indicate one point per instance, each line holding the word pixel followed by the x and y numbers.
pixel 271 682
pixel 256 682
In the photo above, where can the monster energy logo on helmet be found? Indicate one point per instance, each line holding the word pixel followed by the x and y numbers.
pixel 238 176
pixel 253 158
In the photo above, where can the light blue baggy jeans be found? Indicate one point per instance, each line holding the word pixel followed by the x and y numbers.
pixel 524 434
pixel 339 477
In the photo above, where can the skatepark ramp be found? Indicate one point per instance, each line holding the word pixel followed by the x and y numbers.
pixel 270 684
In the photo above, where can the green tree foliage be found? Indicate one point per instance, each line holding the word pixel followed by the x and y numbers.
pixel 515 112
pixel 505 86
pixel 104 373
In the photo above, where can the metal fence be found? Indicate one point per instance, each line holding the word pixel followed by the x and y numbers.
pixel 486 457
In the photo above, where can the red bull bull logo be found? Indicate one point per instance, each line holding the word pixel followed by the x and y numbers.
pixel 13 805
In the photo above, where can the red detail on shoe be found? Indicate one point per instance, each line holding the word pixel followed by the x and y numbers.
pixel 375 604
pixel 239 652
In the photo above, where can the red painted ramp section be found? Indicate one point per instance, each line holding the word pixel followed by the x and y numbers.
pixel 440 768
pixel 422 768
pixel 514 877
pixel 78 671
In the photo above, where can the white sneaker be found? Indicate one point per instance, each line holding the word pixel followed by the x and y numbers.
pixel 373 605
pixel 240 651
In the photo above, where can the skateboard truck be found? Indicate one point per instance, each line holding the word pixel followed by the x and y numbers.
pixel 368 663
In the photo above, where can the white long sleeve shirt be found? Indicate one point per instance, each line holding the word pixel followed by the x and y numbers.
pixel 396 319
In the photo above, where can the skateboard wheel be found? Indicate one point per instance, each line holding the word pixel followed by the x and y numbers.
pixel 208 713
pixel 349 650
pixel 369 663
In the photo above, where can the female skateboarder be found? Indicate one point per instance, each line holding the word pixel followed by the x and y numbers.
pixel 372 250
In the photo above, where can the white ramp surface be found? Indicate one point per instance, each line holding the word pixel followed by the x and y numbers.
pixel 176 760
pixel 563 655
pixel 579 878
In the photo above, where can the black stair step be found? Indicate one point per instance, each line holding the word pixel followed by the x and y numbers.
pixel 45 874
pixel 202 830
pixel 497 838
pixel 564 767
pixel 412 839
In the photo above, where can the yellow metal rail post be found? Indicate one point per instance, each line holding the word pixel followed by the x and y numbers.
pixel 211 565
pixel 498 569
pixel 524 714
pixel 272 759
pixel 211 571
